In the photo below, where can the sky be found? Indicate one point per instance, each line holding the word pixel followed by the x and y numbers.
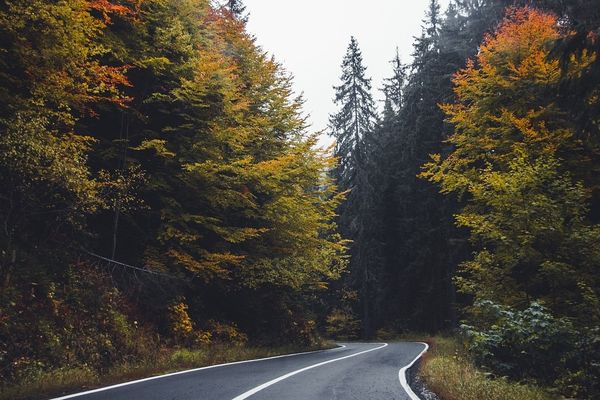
pixel 310 38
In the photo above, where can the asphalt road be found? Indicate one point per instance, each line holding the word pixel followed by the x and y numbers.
pixel 362 371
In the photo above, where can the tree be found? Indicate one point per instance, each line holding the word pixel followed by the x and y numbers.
pixel 353 126
pixel 355 120
pixel 48 83
pixel 394 86
pixel 220 138
pixel 515 159
pixel 54 72
pixel 517 162
pixel 151 152
pixel 577 93
pixel 417 253
pixel 237 9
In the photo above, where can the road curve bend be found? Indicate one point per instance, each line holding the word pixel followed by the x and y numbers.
pixel 361 371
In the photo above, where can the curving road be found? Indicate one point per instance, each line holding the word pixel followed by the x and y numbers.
pixel 362 371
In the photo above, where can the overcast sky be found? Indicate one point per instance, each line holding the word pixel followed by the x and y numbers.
pixel 310 37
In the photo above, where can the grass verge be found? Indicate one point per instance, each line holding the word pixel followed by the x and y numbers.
pixel 43 385
pixel 447 371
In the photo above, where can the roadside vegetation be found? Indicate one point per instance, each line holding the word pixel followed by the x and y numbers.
pixel 448 370
pixel 43 384
pixel 474 201
pixel 163 204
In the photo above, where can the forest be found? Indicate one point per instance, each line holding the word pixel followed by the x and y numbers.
pixel 474 200
pixel 162 193
pixel 158 186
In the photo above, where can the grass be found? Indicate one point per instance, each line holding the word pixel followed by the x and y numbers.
pixel 44 384
pixel 446 369
pixel 448 372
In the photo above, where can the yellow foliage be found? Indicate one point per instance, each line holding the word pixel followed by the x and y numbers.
pixel 226 333
pixel 515 153
pixel 182 325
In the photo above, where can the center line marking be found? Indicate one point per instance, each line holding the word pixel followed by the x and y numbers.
pixel 282 377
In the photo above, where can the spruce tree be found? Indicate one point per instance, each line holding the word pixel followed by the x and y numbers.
pixel 356 118
pixel 353 126
pixel 415 220
pixel 238 9
pixel 394 85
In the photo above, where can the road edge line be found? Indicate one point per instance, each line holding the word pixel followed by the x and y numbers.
pixel 402 374
pixel 102 389
pixel 265 385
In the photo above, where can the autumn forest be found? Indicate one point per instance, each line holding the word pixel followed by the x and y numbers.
pixel 165 205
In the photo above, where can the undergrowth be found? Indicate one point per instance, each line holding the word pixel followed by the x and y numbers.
pixel 448 371
pixel 165 360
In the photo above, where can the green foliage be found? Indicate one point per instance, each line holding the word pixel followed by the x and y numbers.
pixel 226 333
pixel 526 214
pixel 535 344
pixel 189 357
pixel 519 165
pixel 76 323
pixel 531 342
pixel 354 127
pixel 531 220
pixel 54 381
pixel 409 236
pixel 44 175
pixel 342 324
pixel 157 134
pixel 449 372
pixel 353 124
pixel 225 186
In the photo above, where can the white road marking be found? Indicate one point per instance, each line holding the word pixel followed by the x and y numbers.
pixel 282 377
pixel 402 375
pixel 70 396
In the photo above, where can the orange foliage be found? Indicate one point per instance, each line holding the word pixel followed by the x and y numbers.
pixel 517 51
pixel 506 99
pixel 111 78
pixel 108 8
pixel 523 28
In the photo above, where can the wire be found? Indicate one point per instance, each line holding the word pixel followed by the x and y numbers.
pixel 114 262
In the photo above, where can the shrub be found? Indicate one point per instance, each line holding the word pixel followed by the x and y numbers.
pixel 81 322
pixel 533 344
pixel 342 324
pixel 306 332
pixel 453 377
pixel 189 358
pixel 181 325
pixel 226 333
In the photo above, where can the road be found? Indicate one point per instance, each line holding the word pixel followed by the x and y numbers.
pixel 362 371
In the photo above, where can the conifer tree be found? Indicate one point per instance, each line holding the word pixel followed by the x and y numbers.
pixel 418 242
pixel 418 255
pixel 354 127
pixel 237 9
pixel 355 120
pixel 394 85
